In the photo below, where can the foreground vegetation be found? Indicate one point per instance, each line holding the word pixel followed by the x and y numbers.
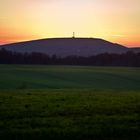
pixel 69 114
pixel 66 102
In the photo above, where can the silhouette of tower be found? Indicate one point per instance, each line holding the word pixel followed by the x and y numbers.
pixel 73 35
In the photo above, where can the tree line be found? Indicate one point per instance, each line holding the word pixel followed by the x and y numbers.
pixel 129 58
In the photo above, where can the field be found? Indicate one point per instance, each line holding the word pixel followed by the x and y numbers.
pixel 69 102
pixel 70 77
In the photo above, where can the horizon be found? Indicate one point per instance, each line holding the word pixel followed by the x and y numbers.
pixel 112 20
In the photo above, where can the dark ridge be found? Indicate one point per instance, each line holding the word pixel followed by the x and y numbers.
pixel 135 49
pixel 67 46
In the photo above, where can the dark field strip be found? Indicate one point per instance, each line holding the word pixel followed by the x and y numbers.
pixel 68 77
pixel 66 114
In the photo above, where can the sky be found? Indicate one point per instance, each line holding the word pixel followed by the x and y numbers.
pixel 117 21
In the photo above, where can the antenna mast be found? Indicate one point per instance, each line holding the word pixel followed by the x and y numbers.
pixel 73 35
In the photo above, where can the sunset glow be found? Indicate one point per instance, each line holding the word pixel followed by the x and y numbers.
pixel 114 20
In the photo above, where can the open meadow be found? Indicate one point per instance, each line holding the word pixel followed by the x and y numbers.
pixel 69 102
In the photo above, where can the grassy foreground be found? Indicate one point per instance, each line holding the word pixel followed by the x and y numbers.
pixel 67 102
pixel 69 114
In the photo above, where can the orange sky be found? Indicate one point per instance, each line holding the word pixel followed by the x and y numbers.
pixel 114 20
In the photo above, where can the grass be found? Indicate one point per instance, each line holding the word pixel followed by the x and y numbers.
pixel 60 77
pixel 69 114
pixel 69 102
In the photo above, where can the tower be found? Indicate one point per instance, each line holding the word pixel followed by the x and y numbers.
pixel 73 35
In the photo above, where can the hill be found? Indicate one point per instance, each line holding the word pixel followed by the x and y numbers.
pixel 136 49
pixel 67 46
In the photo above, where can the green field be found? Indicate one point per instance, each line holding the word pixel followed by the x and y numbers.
pixel 69 102
pixel 60 77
